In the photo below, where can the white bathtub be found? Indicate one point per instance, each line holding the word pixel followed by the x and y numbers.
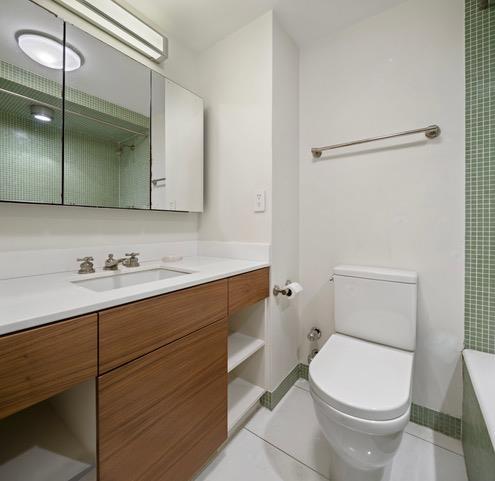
pixel 481 368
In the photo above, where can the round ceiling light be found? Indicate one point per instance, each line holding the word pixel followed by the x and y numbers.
pixel 48 51
pixel 42 113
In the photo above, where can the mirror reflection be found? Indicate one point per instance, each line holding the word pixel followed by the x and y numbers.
pixel 107 127
pixel 31 78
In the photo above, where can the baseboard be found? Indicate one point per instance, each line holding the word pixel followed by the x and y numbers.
pixel 438 421
pixel 271 399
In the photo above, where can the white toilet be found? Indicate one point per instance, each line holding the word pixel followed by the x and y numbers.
pixel 360 381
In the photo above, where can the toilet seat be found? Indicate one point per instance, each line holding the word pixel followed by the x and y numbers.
pixel 362 379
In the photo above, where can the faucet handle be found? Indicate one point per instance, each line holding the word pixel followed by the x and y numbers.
pixel 86 266
pixel 132 260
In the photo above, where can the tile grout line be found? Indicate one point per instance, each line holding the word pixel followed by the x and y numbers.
pixel 435 444
pixel 287 454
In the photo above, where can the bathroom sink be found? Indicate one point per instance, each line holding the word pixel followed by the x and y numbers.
pixel 126 279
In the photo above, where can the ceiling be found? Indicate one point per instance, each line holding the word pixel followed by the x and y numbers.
pixel 201 23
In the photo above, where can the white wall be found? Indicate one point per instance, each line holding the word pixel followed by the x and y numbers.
pixel 283 326
pixel 236 84
pixel 32 227
pixel 250 83
pixel 398 203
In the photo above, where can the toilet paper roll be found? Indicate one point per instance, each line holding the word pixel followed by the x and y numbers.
pixel 293 289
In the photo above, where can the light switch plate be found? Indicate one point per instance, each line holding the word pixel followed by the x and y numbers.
pixel 260 201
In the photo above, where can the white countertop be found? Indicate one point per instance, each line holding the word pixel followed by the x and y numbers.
pixel 481 367
pixel 33 301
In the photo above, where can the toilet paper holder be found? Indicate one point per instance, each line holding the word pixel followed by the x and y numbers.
pixel 285 291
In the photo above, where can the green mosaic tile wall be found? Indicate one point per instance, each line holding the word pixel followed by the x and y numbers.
pixel 134 175
pixel 96 172
pixel 30 160
pixel 478 449
pixel 91 171
pixel 24 78
pixel 480 178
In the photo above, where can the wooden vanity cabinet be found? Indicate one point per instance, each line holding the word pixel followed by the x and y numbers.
pixel 161 369
pixel 132 330
pixel 247 289
pixel 163 415
pixel 39 363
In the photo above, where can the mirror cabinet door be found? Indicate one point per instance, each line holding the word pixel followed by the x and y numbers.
pixel 177 147
pixel 84 137
pixel 107 127
pixel 31 79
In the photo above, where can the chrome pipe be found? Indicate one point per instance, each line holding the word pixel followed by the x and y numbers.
pixel 431 132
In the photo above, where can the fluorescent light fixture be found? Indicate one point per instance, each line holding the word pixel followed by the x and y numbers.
pixel 124 26
pixel 42 113
pixel 48 51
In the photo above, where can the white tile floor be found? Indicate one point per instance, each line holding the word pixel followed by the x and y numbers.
pixel 286 445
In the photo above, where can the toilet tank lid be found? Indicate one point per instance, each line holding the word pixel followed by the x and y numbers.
pixel 377 273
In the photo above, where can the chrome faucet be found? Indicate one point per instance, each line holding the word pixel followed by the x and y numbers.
pixel 112 264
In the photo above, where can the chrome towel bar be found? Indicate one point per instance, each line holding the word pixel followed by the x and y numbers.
pixel 431 132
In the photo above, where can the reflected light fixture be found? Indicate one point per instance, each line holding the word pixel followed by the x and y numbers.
pixel 48 51
pixel 42 113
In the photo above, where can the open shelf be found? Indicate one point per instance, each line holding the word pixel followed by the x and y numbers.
pixel 242 397
pixel 38 446
pixel 241 347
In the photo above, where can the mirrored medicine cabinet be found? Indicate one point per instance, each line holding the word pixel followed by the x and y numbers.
pixel 91 127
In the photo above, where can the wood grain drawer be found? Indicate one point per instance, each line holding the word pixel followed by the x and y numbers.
pixel 249 288
pixel 41 362
pixel 130 331
pixel 163 415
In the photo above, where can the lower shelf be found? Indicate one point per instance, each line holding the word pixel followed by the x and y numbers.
pixel 37 446
pixel 242 397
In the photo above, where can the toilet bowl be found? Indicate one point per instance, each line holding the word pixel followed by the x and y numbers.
pixel 361 379
pixel 362 398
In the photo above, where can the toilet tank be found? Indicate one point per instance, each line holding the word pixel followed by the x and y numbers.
pixel 376 304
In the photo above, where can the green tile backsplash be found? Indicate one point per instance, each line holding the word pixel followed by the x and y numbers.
pixel 480 178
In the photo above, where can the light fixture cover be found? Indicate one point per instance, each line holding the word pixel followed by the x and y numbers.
pixel 42 113
pixel 121 24
pixel 48 51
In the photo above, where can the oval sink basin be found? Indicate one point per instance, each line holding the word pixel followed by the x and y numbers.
pixel 126 279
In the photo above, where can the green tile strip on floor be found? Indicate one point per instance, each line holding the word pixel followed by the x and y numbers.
pixel 304 371
pixel 271 399
pixel 441 422
pixel 480 177
pixel 478 449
